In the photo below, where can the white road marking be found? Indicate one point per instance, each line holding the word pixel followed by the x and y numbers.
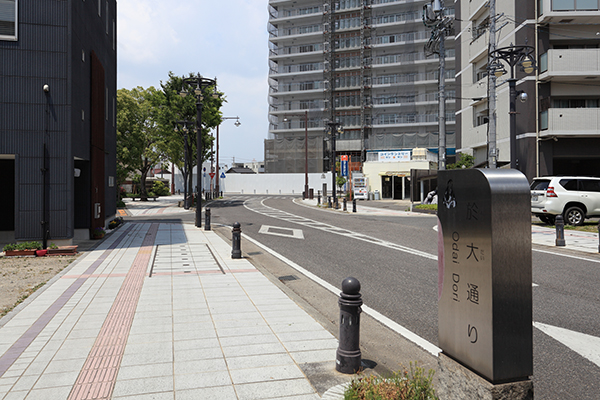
pixel 296 219
pixel 585 345
pixel 273 230
pixel 416 339
pixel 567 255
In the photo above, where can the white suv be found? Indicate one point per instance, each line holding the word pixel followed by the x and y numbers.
pixel 575 197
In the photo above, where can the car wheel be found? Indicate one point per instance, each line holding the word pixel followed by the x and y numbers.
pixel 574 216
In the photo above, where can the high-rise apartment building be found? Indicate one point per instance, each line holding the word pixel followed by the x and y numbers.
pixel 558 125
pixel 359 63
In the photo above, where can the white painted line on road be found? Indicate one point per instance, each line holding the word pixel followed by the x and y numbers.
pixel 413 337
pixel 285 216
pixel 567 255
pixel 587 346
pixel 272 230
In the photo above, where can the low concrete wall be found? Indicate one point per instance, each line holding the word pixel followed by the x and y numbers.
pixel 288 184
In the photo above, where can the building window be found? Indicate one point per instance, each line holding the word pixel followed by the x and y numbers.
pixel 571 5
pixel 8 19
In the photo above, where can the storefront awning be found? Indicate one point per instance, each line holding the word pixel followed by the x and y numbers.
pixel 394 173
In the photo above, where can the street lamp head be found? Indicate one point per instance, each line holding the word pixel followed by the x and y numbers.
pixel 499 72
pixel 527 65
pixel 46 89
pixel 183 93
pixel 237 123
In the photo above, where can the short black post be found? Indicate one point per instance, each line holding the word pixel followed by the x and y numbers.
pixel 329 202
pixel 304 194
pixel 207 219
pixel 319 199
pixel 337 203
pixel 348 355
pixel 221 194
pixel 236 241
pixel 354 204
pixel 345 204
pixel 560 231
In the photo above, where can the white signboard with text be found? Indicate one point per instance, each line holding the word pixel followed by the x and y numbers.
pixel 394 156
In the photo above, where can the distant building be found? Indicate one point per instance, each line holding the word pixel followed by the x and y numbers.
pixel 360 63
pixel 58 115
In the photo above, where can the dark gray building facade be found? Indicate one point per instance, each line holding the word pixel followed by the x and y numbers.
pixel 57 118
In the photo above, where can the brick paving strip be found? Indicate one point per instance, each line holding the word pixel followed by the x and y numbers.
pixel 99 373
pixel 15 351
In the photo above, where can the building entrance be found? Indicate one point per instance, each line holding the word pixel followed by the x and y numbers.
pixel 395 187
pixel 7 200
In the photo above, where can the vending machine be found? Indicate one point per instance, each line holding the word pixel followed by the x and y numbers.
pixel 360 186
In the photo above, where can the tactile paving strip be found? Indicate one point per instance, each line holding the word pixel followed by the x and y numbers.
pixel 7 360
pixel 98 375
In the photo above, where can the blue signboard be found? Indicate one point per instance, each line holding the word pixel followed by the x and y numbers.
pixel 344 165
pixel 222 175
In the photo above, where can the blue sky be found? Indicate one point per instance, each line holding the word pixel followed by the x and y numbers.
pixel 226 39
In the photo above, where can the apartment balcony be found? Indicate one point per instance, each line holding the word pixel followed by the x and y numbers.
pixel 582 122
pixel 570 65
pixel 569 11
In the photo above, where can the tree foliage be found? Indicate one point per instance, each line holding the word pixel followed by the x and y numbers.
pixel 138 132
pixel 465 161
pixel 146 132
pixel 177 108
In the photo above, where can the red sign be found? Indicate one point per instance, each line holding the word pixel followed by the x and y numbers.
pixel 344 157
pixel 212 175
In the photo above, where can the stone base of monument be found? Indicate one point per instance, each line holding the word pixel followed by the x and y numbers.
pixel 456 382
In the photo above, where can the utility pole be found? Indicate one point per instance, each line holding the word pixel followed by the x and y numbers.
pixel 492 149
pixel 442 101
pixel 433 17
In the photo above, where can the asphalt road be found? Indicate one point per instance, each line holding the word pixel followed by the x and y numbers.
pixel 395 259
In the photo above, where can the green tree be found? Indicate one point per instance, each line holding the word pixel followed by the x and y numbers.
pixel 138 132
pixel 465 161
pixel 339 181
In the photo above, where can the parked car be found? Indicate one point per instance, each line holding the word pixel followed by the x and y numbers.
pixel 575 197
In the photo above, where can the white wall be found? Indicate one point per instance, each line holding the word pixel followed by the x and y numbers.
pixel 273 183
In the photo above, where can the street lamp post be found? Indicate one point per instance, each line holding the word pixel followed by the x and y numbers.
pixel 237 123
pixel 334 129
pixel 305 115
pixel 182 126
pixel 513 56
pixel 198 83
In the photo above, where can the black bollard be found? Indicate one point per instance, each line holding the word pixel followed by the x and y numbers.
pixel 560 231
pixel 337 203
pixel 329 202
pixel 354 204
pixel 207 219
pixel 348 356
pixel 236 241
pixel 345 204
pixel 319 199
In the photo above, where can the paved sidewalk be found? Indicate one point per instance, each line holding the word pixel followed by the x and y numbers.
pixel 160 311
pixel 162 205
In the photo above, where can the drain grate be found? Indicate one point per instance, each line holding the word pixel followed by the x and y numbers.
pixel 288 278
